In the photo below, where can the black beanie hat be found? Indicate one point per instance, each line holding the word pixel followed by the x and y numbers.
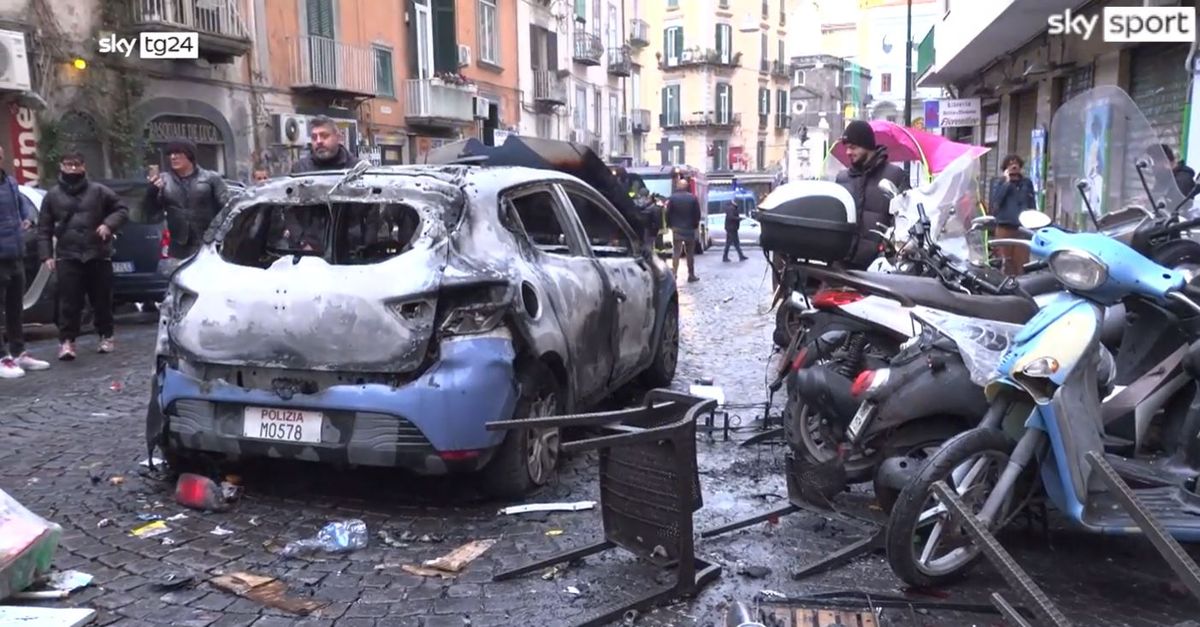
pixel 860 134
pixel 184 146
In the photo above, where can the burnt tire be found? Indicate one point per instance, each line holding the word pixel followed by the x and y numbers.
pixel 661 372
pixel 527 459
pixel 904 519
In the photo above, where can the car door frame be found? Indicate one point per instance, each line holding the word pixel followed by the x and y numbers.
pixel 641 331
pixel 589 363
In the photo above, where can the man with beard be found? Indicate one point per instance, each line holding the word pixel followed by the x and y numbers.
pixel 327 151
pixel 83 216
pixel 868 166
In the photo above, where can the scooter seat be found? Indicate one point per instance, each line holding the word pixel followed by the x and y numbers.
pixel 930 292
pixel 1038 283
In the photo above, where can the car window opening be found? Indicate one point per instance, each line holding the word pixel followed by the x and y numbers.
pixel 353 234
pixel 537 214
pixel 605 235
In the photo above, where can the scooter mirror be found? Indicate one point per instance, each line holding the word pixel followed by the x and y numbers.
pixel 1034 219
pixel 983 222
pixel 889 188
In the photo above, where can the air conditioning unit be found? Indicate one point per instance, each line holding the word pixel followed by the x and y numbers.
pixel 685 57
pixel 464 56
pixel 290 129
pixel 481 107
pixel 624 126
pixel 14 62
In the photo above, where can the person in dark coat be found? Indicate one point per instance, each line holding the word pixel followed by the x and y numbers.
pixel 868 166
pixel 327 151
pixel 733 221
pixel 652 217
pixel 16 217
pixel 683 218
pixel 189 196
pixel 1011 195
pixel 75 239
pixel 1185 177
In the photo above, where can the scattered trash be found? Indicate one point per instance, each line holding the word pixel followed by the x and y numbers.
pixel 388 540
pixel 230 491
pixel 548 507
pixel 221 531
pixel 173 581
pixel 708 390
pixel 456 560
pixel 104 522
pixel 268 591
pixel 254 522
pixel 100 414
pixel 27 545
pixel 421 571
pixel 630 617
pixel 58 585
pixel 336 537
pixel 772 594
pixel 117 480
pixel 149 530
pixel 167 542
pixel 199 492
pixel 755 572
pixel 146 463
pixel 573 590
pixel 116 386
pixel 552 572
pixel 146 516
pixel 554 532
pixel 45 616
pixel 177 517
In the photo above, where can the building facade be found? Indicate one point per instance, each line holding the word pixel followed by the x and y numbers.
pixel 718 93
pixel 825 92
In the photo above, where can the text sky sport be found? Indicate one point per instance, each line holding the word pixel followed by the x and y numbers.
pixel 1129 24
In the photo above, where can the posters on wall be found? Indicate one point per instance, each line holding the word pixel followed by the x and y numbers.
pixel 1037 165
pixel 1095 145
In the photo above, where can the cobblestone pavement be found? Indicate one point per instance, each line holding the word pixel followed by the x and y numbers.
pixel 68 432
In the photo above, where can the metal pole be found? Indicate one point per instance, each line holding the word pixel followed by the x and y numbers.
pixel 908 82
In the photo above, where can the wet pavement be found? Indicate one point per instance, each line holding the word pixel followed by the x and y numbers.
pixel 69 433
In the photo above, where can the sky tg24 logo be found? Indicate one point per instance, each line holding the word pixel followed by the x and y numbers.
pixel 154 45
pixel 1129 24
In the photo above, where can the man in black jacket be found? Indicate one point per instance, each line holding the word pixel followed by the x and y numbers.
pixel 1012 195
pixel 190 197
pixel 83 216
pixel 1185 177
pixel 683 218
pixel 868 166
pixel 327 151
pixel 733 221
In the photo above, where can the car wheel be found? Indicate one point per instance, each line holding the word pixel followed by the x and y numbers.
pixel 661 372
pixel 528 458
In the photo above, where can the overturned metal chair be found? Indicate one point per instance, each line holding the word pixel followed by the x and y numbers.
pixel 649 490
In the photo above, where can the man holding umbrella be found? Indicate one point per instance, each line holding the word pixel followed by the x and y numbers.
pixel 868 166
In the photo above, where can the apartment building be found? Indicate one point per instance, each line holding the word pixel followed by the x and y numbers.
pixel 719 98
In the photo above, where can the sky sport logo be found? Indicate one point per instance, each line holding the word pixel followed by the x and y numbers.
pixel 154 45
pixel 1130 24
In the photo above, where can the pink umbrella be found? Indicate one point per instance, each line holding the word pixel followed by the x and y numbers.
pixel 907 144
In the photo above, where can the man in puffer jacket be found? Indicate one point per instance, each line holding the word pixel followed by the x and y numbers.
pixel 190 197
pixel 868 166
pixel 16 216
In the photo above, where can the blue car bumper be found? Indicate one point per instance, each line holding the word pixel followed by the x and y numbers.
pixel 432 425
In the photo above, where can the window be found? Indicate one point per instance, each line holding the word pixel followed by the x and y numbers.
pixel 798 78
pixel 671 104
pixel 885 82
pixel 614 28
pixel 671 4
pixel 764 106
pixel 766 9
pixel 493 99
pixel 781 101
pixel 424 28
pixel 724 102
pixel 489 46
pixel 676 152
pixel 537 216
pixel 763 47
pixel 384 74
pixel 724 41
pixel 673 44
pixel 580 112
pixel 782 13
pixel 782 48
pixel 614 122
pixel 761 154
pixel 596 18
pixel 720 158
pixel 598 103
pixel 604 233
pixel 320 18
pixel 580 10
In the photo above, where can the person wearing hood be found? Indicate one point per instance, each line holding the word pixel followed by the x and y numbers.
pixel 78 222
pixel 327 151
pixel 1185 177
pixel 16 216
pixel 189 196
pixel 868 166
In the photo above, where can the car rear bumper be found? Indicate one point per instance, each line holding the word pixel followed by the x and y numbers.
pixel 432 425
pixel 139 286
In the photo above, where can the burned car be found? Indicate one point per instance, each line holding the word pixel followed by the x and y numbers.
pixel 380 317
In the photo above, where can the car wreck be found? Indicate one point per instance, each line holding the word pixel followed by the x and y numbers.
pixel 382 316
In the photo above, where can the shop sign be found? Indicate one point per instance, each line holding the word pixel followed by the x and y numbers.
pixel 195 130
pixel 22 128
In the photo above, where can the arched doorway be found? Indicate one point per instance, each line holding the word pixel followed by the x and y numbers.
pixel 209 140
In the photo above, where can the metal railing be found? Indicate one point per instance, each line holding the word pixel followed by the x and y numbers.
pixel 697 57
pixel 718 119
pixel 588 47
pixel 764 65
pixel 781 69
pixel 430 98
pixel 620 63
pixel 330 64
pixel 639 32
pixel 547 87
pixel 221 18
pixel 783 120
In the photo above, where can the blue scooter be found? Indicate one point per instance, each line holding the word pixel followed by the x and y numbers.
pixel 1052 381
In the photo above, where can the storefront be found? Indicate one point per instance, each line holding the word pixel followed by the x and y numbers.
pixel 390 147
pixel 210 144
pixel 1159 84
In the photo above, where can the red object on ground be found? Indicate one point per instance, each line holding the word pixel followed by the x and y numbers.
pixel 198 492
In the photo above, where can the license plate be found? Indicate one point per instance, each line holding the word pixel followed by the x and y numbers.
pixel 122 267
pixel 860 418
pixel 283 425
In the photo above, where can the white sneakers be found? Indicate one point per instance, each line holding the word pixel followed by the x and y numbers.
pixel 11 368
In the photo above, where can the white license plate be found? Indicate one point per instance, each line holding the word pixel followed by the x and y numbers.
pixel 122 267
pixel 860 418
pixel 283 425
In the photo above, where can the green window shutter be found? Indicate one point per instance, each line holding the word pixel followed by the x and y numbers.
pixel 384 75
pixel 581 9
pixel 445 39
pixel 678 42
pixel 410 32
pixel 320 18
pixel 662 119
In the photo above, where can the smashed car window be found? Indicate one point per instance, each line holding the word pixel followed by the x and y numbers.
pixel 605 235
pixel 354 233
pixel 536 211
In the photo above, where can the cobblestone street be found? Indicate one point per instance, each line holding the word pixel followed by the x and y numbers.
pixel 67 433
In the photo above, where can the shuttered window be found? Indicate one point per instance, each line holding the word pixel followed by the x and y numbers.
pixel 1159 85
pixel 670 105
pixel 445 38
pixel 320 18
pixel 673 44
pixel 724 102
pixel 1077 82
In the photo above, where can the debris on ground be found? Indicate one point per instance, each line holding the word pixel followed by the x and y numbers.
pixel 336 537
pixel 755 572
pixel 548 507
pixel 407 538
pixel 709 391
pixel 176 517
pixel 150 529
pixel 45 616
pixel 58 585
pixel 268 591
pixel 152 462
pixel 27 545
pixel 221 531
pixel 554 532
pixel 104 522
pixel 230 490
pixel 199 492
pixel 573 590
pixel 553 572
pixel 254 522
pixel 116 386
pixel 148 517
pixel 452 563
pixel 173 581
pixel 117 480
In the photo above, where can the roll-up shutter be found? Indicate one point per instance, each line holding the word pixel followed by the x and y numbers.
pixel 1077 82
pixel 1024 119
pixel 1158 84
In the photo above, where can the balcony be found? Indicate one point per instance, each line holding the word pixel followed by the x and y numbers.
pixel 432 103
pixel 764 65
pixel 330 67
pixel 548 89
pixel 781 69
pixel 783 121
pixel 721 120
pixel 639 33
pixel 223 35
pixel 619 61
pixel 588 48
pixel 698 57
pixel 640 119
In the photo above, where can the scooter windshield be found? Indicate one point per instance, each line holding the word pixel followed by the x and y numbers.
pixel 981 343
pixel 951 200
pixel 1096 141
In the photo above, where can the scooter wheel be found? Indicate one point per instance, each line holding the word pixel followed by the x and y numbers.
pixel 909 539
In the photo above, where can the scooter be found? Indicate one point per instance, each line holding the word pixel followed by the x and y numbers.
pixel 1048 392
